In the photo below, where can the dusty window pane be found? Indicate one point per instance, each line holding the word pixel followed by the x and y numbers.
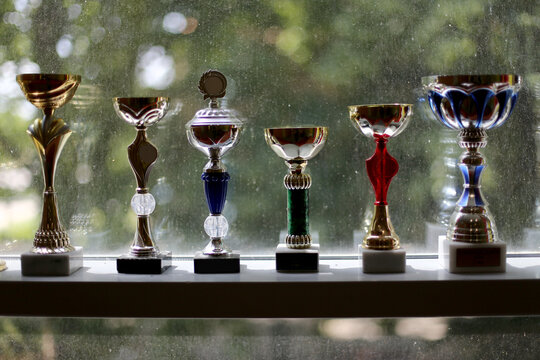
pixel 288 62
pixel 424 338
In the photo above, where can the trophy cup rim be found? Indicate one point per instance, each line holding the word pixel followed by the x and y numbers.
pixel 47 76
pixel 45 90
pixel 297 127
pixel 388 105
pixel 472 79
pixel 141 99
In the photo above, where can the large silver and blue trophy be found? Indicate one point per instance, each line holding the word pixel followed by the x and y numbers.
pixel 472 104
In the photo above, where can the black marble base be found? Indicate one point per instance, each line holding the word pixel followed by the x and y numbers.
pixel 297 260
pixel 211 264
pixel 127 264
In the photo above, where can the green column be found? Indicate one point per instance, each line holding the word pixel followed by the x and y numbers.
pixel 298 211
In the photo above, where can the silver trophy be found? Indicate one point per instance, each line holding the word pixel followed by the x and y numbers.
pixel 214 131
pixel 472 104
pixel 141 112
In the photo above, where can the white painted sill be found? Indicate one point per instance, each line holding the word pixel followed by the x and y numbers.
pixel 340 289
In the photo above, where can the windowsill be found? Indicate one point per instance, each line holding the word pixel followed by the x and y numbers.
pixel 340 289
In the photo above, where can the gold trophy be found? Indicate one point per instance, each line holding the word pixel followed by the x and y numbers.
pixel 296 146
pixel 381 251
pixel 144 256
pixel 52 253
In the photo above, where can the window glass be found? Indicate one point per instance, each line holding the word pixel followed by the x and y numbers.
pixel 424 338
pixel 288 63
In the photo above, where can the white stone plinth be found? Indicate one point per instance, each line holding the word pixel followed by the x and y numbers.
pixel 460 257
pixel 382 261
pixel 51 264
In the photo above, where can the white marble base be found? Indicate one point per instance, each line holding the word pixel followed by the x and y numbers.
pixel 459 257
pixel 51 264
pixel 2 265
pixel 382 261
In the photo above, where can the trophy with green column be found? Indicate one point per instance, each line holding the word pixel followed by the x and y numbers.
pixel 297 145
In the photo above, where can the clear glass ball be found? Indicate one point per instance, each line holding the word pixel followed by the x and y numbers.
pixel 143 204
pixel 216 226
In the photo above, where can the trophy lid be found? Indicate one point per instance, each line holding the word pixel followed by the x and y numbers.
pixel 213 85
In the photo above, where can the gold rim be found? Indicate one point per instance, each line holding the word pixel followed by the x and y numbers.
pixel 482 79
pixel 57 77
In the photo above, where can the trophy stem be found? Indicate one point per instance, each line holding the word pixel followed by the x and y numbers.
pixel 381 168
pixel 49 136
pixel 142 156
pixel 471 221
pixel 216 225
pixel 381 235
pixel 297 184
pixel 142 243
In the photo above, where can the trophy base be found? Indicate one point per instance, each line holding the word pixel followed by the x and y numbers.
pixel 459 257
pixel 297 260
pixel 127 264
pixel 382 261
pixel 216 264
pixel 51 264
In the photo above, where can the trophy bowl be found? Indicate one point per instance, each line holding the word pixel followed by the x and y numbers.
pixel 472 101
pixel 218 137
pixel 48 91
pixel 141 111
pixel 299 143
pixel 384 120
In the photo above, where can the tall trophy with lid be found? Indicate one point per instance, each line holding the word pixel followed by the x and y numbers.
pixel 144 256
pixel 472 104
pixel 214 131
